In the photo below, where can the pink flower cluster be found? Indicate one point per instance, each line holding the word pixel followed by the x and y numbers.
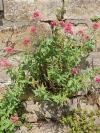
pixel 59 33
pixel 26 40
pixel 97 80
pixel 64 100
pixel 61 47
pixel 1 90
pixel 61 23
pixel 80 32
pixel 53 24
pixel 14 119
pixel 9 49
pixel 4 64
pixel 95 25
pixel 36 16
pixel 33 30
pixel 67 28
pixel 74 69
pixel 87 37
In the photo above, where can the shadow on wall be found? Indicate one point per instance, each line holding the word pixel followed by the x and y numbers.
pixel 1 12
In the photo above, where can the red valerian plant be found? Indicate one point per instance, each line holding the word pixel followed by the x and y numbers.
pixel 53 24
pixel 74 70
pixel 97 80
pixel 14 119
pixel 87 37
pixel 51 69
pixel 9 49
pixel 95 25
pixel 33 30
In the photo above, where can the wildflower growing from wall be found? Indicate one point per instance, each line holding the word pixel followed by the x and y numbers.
pixel 61 23
pixel 14 119
pixel 59 33
pixel 67 28
pixel 68 25
pixel 33 30
pixel 1 90
pixel 36 14
pixel 87 37
pixel 9 49
pixel 80 31
pixel 4 64
pixel 26 40
pixel 39 18
pixel 97 80
pixel 61 47
pixel 95 25
pixel 74 69
pixel 53 24
pixel 64 100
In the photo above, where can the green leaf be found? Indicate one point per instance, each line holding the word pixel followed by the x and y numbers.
pixel 25 67
pixel 57 10
pixel 70 82
pixel 65 4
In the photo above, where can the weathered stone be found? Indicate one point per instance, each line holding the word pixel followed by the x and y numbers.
pixel 30 117
pixel 23 10
pixel 82 9
pixel 23 129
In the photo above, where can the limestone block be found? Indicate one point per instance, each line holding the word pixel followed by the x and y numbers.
pixel 29 117
pixel 97 121
pixel 82 9
pixel 23 10
pixel 47 8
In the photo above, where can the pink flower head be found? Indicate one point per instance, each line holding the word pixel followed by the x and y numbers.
pixel 1 90
pixel 97 80
pixel 97 71
pixel 9 49
pixel 59 33
pixel 39 18
pixel 33 30
pixel 36 14
pixel 68 25
pixel 87 37
pixel 71 32
pixel 82 46
pixel 68 28
pixel 14 119
pixel 53 24
pixel 61 47
pixel 29 44
pixel 95 25
pixel 45 36
pixel 80 32
pixel 33 18
pixel 74 69
pixel 61 23
pixel 64 100
pixel 4 64
pixel 26 40
pixel 36 34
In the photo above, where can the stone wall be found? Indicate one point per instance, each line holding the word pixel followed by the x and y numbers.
pixel 16 26
pixel 17 23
